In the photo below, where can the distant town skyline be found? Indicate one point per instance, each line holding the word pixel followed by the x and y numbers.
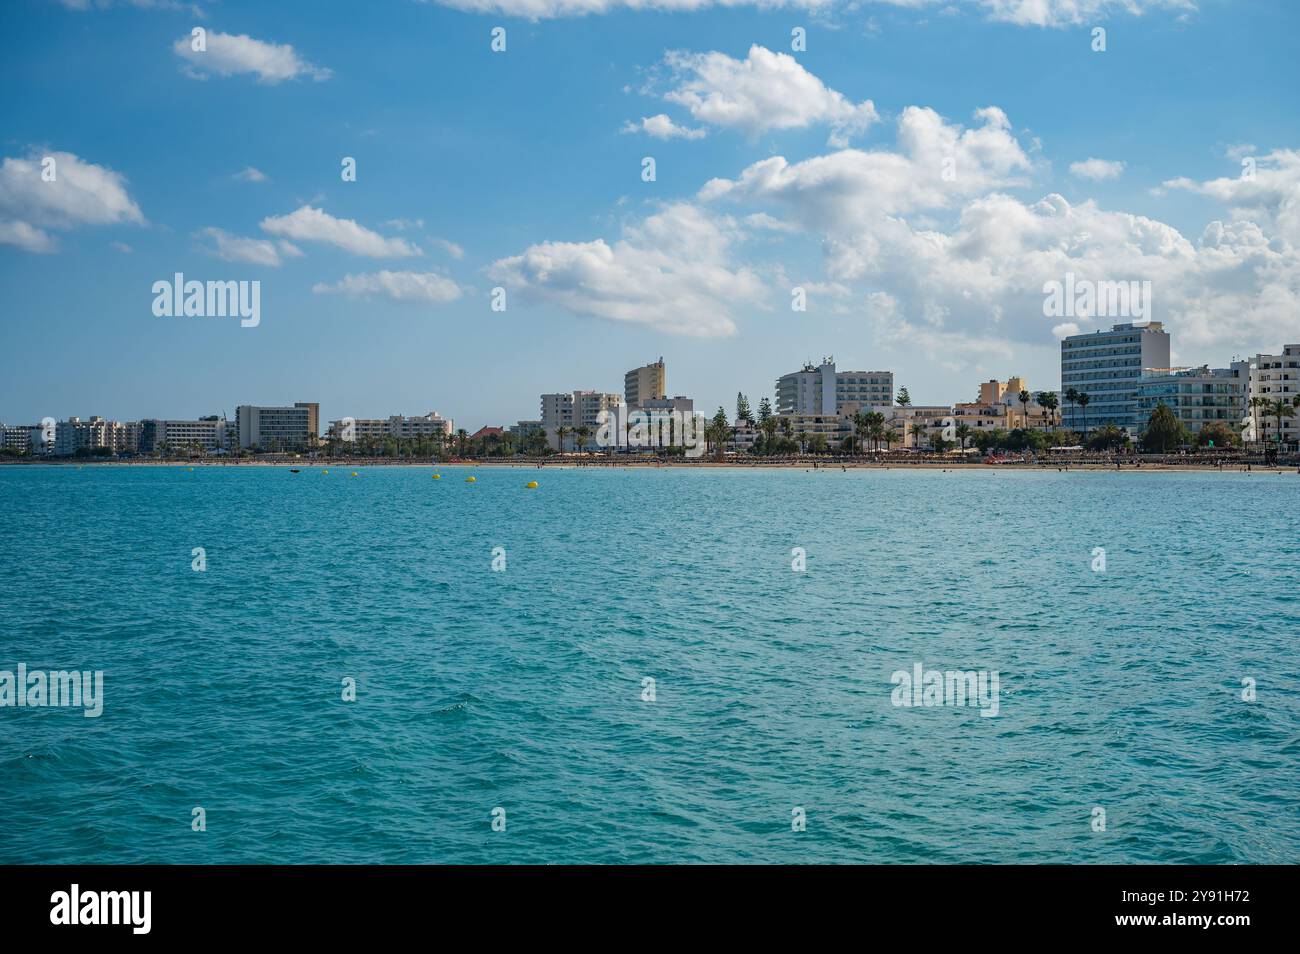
pixel 380 173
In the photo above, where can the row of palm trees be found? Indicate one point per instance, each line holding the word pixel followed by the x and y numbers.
pixel 1277 409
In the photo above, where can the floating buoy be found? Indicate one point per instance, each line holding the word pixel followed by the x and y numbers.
pixel 471 480
pixel 531 484
pixel 327 470
pixel 354 473
pixel 437 476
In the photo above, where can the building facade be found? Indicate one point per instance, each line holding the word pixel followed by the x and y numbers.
pixel 277 428
pixel 575 409
pixel 1197 396
pixel 821 390
pixel 1276 377
pixel 207 434
pixel 1106 365
pixel 645 384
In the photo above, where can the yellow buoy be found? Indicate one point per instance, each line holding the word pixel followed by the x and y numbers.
pixel 531 483
pixel 354 473
pixel 437 476
pixel 327 470
pixel 471 480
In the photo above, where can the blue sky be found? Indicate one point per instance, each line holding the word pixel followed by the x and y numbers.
pixel 475 169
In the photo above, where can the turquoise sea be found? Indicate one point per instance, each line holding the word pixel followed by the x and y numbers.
pixel 523 689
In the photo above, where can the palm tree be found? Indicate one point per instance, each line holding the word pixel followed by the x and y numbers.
pixel 1024 397
pixel 1071 396
pixel 963 434
pixel 1254 403
pixel 462 441
pixel 860 427
pixel 1082 400
pixel 1048 401
pixel 875 427
pixel 918 432
pixel 580 436
pixel 890 436
pixel 1279 409
pixel 561 433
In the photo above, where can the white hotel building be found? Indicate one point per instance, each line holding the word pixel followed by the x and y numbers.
pixel 1106 365
pixel 1276 377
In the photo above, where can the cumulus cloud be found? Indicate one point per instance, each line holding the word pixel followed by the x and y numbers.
pixel 428 287
pixel 77 193
pixel 935 166
pixel 249 174
pixel 673 271
pixel 1036 13
pixel 251 251
pixel 1267 190
pixel 230 54
pixel 662 127
pixel 308 224
pixel 26 237
pixel 765 91
pixel 1097 169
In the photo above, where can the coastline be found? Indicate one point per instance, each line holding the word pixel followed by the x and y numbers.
pixel 808 465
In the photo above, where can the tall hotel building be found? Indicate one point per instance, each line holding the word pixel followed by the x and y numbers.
pixel 278 428
pixel 645 384
pixel 1276 377
pixel 1106 365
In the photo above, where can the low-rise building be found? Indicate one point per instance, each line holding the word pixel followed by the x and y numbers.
pixel 1197 396
pixel 207 434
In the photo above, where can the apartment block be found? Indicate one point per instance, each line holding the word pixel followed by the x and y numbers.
pixel 822 390
pixel 1276 377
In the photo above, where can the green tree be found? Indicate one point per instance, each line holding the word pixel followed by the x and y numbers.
pixel 581 435
pixel 1048 402
pixel 1217 434
pixel 1107 437
pixel 1082 400
pixel 1024 397
pixel 1279 409
pixel 904 399
pixel 1164 432
pixel 742 407
pixel 963 432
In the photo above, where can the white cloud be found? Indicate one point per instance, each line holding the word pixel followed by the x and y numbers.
pixel 26 237
pixel 1097 169
pixel 229 54
pixel 249 174
pixel 400 286
pixel 673 272
pixel 1065 329
pixel 662 127
pixel 308 224
pixel 846 189
pixel 81 193
pixel 550 9
pixel 451 248
pixel 1061 13
pixel 1040 13
pixel 251 251
pixel 1270 195
pixel 763 92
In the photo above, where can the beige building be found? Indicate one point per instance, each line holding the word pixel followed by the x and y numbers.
pixel 645 384
pixel 277 428
pixel 74 434
pixel 999 406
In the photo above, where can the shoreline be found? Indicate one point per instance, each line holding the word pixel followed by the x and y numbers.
pixel 808 465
